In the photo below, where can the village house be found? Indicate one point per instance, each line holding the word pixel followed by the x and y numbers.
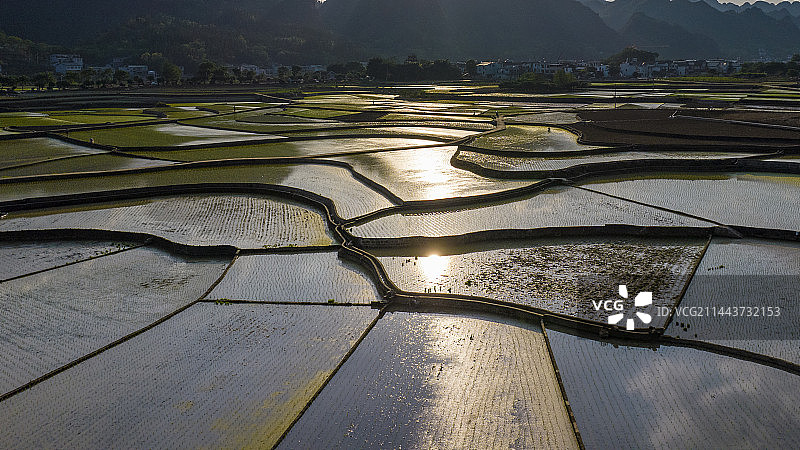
pixel 66 63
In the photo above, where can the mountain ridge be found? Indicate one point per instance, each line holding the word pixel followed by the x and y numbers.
pixel 306 31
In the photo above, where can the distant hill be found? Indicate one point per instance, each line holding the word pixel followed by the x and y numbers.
pixel 186 31
pixel 669 41
pixel 392 28
pixel 793 8
pixel 520 29
pixel 744 34
pixel 306 31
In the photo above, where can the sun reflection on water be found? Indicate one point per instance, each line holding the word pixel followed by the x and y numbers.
pixel 434 268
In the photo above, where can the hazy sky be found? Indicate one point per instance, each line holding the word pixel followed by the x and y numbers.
pixel 741 2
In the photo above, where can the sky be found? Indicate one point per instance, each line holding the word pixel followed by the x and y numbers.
pixel 741 2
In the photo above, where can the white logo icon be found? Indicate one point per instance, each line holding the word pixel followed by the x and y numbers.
pixel 642 299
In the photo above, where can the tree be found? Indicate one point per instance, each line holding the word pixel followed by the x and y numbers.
pixel 121 77
pixel 221 76
pixel 106 76
pixel 6 80
pixel 205 71
pixel 283 74
pixel 72 79
pixel 155 61
pixel 44 79
pixel 22 80
pixel 171 73
pixel 564 80
pixel 471 68
pixel 378 69
pixel 247 76
pixel 633 53
pixel 88 76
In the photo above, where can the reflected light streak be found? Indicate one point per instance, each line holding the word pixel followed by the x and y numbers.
pixel 433 268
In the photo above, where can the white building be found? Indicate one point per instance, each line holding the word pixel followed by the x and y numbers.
pixel 488 70
pixel 312 69
pixel 628 69
pixel 252 68
pixel 601 69
pixel 137 71
pixel 66 63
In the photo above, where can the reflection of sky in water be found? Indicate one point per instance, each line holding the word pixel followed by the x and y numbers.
pixel 675 397
pixel 451 133
pixel 425 174
pixel 733 199
pixel 440 381
pixel 355 144
pixel 746 272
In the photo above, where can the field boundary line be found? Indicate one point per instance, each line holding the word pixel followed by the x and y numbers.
pixel 115 343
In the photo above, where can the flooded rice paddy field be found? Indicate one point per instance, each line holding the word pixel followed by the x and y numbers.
pixel 288 149
pixel 301 277
pixel 556 118
pixel 425 174
pixel 440 131
pixel 674 397
pixel 71 118
pixel 163 135
pixel 556 207
pixel 214 375
pixel 530 139
pixel 351 197
pixel 557 275
pixel 746 275
pixel 27 151
pixel 426 381
pixel 55 317
pixel 292 343
pixel 754 200
pixel 87 163
pixel 21 258
pixel 238 220
pixel 531 164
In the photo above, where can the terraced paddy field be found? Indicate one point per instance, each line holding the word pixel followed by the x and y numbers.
pixel 52 318
pixel 747 293
pixel 70 118
pixel 428 380
pixel 673 396
pixel 533 164
pixel 302 148
pixel 555 207
pixel 21 258
pixel 351 197
pixel 560 118
pixel 753 200
pixel 425 174
pixel 378 267
pixel 241 221
pixel 557 275
pixel 523 138
pixel 84 163
pixel 300 277
pixel 19 152
pixel 239 373
pixel 163 135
